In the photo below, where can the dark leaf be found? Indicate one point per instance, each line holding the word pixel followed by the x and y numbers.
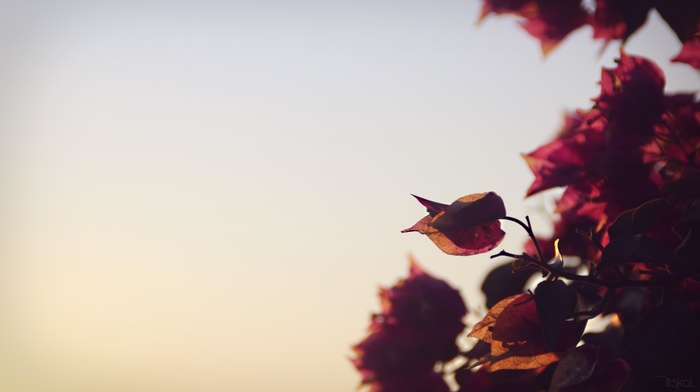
pixel 635 248
pixel 553 304
pixel 470 211
pixel 587 298
pixel 636 220
pixel 589 368
pixel 503 282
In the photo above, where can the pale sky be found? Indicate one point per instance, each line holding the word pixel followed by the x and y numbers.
pixel 205 195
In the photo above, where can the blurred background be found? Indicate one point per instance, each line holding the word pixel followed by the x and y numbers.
pixel 206 195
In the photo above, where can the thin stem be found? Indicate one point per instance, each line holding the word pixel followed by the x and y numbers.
pixel 600 282
pixel 528 228
pixel 623 282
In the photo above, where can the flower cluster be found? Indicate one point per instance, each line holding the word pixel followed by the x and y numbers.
pixel 551 21
pixel 623 152
pixel 416 329
pixel 625 244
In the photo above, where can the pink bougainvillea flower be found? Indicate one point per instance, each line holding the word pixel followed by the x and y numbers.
pixel 632 98
pixel 604 147
pixel 689 54
pixel 681 122
pixel 618 19
pixel 500 7
pixel 418 325
pixel 548 21
pixel 616 156
pixel 422 302
pixel 567 158
pixel 468 226
pixel 552 21
pixel 391 351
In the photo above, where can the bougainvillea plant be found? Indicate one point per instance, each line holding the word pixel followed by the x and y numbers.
pixel 625 248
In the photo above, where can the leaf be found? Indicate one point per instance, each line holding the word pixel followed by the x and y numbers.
pixel 523 362
pixel 471 210
pixel 636 220
pixel 589 368
pixel 434 208
pixel 503 282
pixel 587 298
pixel 518 323
pixel 468 226
pixel 635 248
pixel 514 332
pixel 553 304
pixel 483 330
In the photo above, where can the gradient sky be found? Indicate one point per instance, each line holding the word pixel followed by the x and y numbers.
pixel 205 196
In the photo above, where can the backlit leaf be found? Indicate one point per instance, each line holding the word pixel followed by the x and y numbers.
pixel 468 226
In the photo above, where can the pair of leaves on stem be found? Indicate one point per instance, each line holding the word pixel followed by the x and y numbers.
pixel 526 332
pixel 468 226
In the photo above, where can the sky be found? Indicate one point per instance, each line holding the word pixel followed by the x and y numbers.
pixel 207 195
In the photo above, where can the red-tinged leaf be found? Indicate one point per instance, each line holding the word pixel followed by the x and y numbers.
pixel 518 323
pixel 512 328
pixel 553 304
pixel 589 368
pixel 483 330
pixel 422 226
pixel 468 226
pixel 434 208
pixel 469 241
